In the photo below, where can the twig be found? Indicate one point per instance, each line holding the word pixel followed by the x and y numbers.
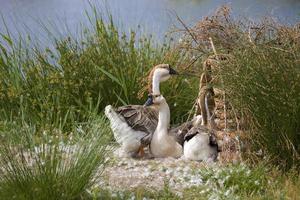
pixel 222 82
pixel 190 64
pixel 213 47
pixel 249 35
pixel 186 28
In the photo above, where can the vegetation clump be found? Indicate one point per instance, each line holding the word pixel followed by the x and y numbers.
pixel 258 69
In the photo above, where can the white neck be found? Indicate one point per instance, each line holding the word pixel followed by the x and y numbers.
pixel 158 77
pixel 155 83
pixel 163 119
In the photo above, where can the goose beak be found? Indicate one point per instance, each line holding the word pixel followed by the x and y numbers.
pixel 149 101
pixel 172 71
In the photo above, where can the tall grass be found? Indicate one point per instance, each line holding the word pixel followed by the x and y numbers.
pixel 260 76
pixel 49 165
pixel 104 64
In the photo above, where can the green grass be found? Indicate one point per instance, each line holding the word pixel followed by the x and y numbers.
pixel 105 66
pixel 48 165
pixel 136 193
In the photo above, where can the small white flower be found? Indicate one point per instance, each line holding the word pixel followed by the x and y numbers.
pixel 248 172
pixel 227 192
pixel 114 195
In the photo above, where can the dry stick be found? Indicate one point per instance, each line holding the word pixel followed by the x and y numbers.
pixel 224 95
pixel 249 35
pixel 238 130
pixel 191 63
pixel 186 28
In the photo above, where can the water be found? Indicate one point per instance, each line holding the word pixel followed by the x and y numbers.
pixel 154 16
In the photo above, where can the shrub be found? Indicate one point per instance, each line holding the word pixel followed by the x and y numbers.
pixel 260 76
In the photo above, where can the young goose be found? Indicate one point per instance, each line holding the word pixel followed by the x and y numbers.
pixel 133 125
pixel 200 144
pixel 162 144
pixel 205 100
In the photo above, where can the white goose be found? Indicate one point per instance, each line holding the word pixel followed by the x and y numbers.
pixel 134 125
pixel 198 142
pixel 162 144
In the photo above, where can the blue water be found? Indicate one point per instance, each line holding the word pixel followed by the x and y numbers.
pixel 154 16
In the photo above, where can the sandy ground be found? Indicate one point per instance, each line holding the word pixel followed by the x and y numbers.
pixel 128 173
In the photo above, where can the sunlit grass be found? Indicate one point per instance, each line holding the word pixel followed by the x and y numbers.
pixel 48 165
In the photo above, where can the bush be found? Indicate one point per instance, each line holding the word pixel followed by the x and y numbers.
pixel 260 76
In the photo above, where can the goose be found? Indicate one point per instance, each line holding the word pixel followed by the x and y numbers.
pixel 205 104
pixel 191 139
pixel 200 144
pixel 163 144
pixel 133 125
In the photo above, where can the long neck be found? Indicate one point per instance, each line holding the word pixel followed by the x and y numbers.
pixel 163 118
pixel 155 83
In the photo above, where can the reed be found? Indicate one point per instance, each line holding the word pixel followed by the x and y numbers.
pixel 259 71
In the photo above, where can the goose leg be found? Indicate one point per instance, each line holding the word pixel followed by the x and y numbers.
pixel 141 152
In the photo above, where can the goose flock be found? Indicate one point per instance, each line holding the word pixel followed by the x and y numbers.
pixel 137 127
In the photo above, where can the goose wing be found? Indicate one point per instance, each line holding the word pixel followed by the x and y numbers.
pixel 180 131
pixel 140 118
pixel 202 130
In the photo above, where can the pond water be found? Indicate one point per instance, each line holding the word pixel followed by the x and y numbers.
pixel 154 16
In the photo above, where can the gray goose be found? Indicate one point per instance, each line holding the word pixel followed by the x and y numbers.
pixel 134 125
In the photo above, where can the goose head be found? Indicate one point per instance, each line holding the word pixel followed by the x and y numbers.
pixel 162 72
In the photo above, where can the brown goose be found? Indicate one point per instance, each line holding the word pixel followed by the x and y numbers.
pixel 133 125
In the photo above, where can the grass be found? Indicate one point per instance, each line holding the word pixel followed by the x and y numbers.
pixel 39 166
pixel 105 64
pixel 137 193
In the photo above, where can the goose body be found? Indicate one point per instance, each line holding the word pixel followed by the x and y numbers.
pixel 131 131
pixel 134 125
pixel 200 145
pixel 198 141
